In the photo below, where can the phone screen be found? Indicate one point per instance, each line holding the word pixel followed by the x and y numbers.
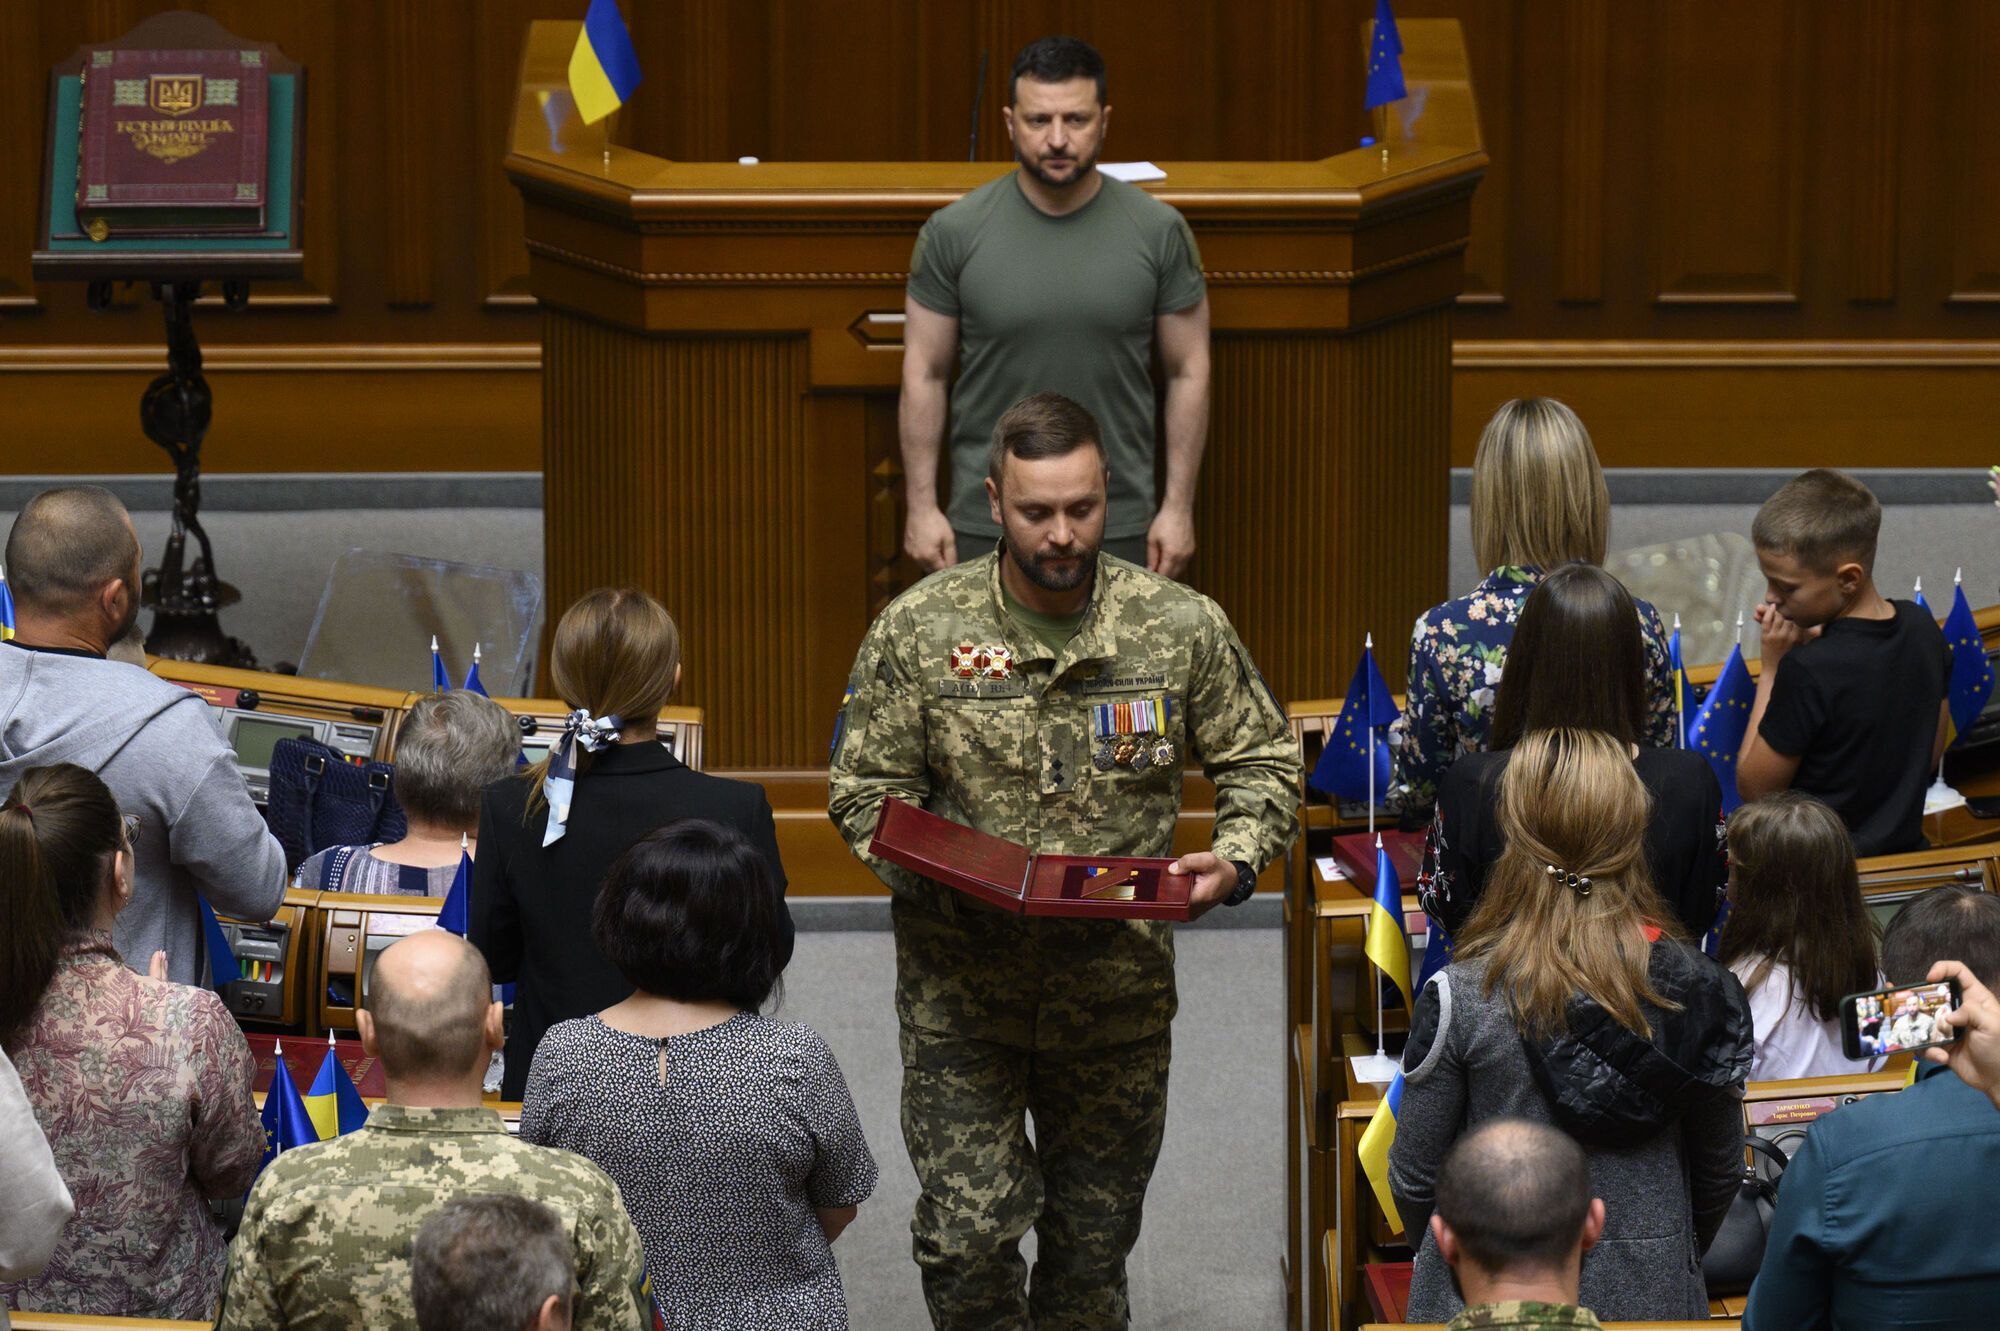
pixel 1890 1021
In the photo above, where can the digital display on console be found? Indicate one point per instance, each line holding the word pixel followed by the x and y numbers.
pixel 254 738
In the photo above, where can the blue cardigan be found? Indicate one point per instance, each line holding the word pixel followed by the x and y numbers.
pixel 1885 1217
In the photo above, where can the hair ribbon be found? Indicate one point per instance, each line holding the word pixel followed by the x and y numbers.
pixel 580 730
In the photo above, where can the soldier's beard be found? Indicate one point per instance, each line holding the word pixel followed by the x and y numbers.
pixel 1036 568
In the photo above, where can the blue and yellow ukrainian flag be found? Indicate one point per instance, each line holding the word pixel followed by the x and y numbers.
pixel 453 915
pixel 6 607
pixel 1387 945
pixel 1683 694
pixel 603 69
pixel 1724 719
pixel 1971 683
pixel 222 967
pixel 1374 1152
pixel 333 1103
pixel 286 1123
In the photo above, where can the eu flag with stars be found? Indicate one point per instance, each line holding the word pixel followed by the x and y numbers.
pixel 286 1122
pixel 1385 61
pixel 1724 719
pixel 1357 740
pixel 1971 672
pixel 452 915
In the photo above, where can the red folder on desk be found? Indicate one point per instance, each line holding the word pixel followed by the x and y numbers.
pixel 304 1054
pixel 1010 876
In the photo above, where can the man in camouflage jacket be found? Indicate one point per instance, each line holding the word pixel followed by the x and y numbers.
pixel 1050 695
pixel 325 1239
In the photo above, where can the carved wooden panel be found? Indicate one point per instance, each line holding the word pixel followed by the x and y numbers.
pixel 1975 161
pixel 1586 57
pixel 1729 81
pixel 23 106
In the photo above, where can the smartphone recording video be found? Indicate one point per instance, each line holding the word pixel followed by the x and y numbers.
pixel 1890 1021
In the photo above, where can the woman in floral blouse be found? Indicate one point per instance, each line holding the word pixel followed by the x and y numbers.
pixel 1538 500
pixel 142 1086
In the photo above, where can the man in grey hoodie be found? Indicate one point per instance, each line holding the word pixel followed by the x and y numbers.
pixel 73 563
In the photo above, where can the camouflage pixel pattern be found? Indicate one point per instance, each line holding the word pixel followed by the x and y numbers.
pixel 1517 1315
pixel 1099 1118
pixel 1004 1014
pixel 325 1239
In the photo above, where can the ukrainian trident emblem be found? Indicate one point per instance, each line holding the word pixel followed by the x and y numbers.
pixel 174 94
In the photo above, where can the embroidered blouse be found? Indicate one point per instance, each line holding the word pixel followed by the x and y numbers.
pixel 143 1089
pixel 1457 651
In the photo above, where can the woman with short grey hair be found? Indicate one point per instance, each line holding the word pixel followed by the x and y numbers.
pixel 451 747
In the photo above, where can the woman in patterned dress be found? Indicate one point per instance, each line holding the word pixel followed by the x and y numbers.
pixel 142 1086
pixel 1538 500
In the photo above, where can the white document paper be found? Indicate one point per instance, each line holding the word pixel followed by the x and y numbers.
pixel 1328 870
pixel 1132 173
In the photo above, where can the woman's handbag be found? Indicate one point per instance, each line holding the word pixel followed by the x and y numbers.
pixel 320 799
pixel 1738 1250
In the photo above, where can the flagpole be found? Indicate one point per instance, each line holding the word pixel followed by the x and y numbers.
pixel 610 124
pixel 1368 723
pixel 1381 1050
pixel 1680 685
pixel 1942 797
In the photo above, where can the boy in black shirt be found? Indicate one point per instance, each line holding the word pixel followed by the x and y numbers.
pixel 1850 701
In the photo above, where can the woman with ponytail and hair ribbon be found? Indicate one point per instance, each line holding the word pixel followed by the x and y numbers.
pixel 141 1085
pixel 1574 999
pixel 548 836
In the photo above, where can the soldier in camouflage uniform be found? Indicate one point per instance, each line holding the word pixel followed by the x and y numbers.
pixel 325 1239
pixel 981 695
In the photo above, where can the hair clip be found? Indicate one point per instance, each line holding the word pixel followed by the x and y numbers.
pixel 1575 882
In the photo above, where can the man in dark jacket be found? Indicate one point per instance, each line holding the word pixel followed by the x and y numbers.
pixel 1878 1214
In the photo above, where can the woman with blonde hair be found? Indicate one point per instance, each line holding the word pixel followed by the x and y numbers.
pixel 1538 501
pixel 548 837
pixel 1572 999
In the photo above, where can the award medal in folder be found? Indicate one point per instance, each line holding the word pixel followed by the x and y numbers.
pixel 1132 734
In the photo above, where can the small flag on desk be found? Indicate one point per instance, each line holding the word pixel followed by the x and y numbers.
pixel 1918 597
pixel 1357 740
pixel 1376 1139
pixel 286 1123
pixel 453 915
pixel 1683 695
pixel 440 682
pixel 603 69
pixel 6 607
pixel 1385 61
pixel 1724 719
pixel 222 965
pixel 1387 945
pixel 1971 683
pixel 333 1103
pixel 473 684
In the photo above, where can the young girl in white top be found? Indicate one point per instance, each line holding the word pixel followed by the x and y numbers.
pixel 1798 935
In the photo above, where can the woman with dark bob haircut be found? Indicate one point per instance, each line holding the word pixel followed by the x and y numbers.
pixel 1578 660
pixel 732 1136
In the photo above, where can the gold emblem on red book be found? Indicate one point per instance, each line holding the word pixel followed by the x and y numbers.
pixel 174 94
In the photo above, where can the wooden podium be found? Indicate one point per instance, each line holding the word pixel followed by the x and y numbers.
pixel 722 348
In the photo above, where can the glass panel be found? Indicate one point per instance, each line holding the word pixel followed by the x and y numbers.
pixel 379 611
pixel 1707 580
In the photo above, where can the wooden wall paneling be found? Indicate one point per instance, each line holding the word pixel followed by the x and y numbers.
pixel 24 91
pixel 1975 163
pixel 1728 141
pixel 684 111
pixel 1872 147
pixel 499 235
pixel 1493 36
pixel 1585 57
pixel 413 36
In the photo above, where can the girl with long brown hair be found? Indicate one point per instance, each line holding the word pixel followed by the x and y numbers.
pixel 1574 999
pixel 1798 936
pixel 548 836
pixel 142 1085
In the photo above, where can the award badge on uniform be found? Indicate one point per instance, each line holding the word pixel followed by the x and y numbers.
pixel 1132 734
pixel 981 661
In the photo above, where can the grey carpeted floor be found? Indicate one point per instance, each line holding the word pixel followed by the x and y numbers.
pixel 1208 1257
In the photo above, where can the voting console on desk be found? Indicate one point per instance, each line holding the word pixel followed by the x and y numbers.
pixel 1009 876
pixel 273 963
pixel 355 929
pixel 254 710
pixel 542 722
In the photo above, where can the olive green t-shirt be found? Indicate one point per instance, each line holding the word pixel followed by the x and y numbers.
pixel 1063 304
pixel 1054 631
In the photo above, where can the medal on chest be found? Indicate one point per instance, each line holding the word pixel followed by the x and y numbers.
pixel 1131 733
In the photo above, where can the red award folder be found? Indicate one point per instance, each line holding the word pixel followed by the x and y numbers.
pixel 304 1054
pixel 1355 853
pixel 1010 876
pixel 172 143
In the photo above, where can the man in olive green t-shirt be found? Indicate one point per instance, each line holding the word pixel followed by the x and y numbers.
pixel 1055 278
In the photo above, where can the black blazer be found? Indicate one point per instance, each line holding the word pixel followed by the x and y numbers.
pixel 1683 840
pixel 531 908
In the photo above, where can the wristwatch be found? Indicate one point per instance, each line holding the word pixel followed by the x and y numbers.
pixel 1246 884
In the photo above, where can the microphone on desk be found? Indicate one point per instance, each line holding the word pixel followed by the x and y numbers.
pixel 978 95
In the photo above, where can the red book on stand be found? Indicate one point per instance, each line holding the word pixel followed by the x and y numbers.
pixel 172 143
pixel 1355 854
pixel 1010 876
pixel 304 1054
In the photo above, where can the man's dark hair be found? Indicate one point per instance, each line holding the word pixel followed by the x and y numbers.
pixel 1047 425
pixel 1576 660
pixel 1823 518
pixel 690 913
pixel 1058 60
pixel 1950 923
pixel 66 544
pixel 488 1263
pixel 1516 1194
